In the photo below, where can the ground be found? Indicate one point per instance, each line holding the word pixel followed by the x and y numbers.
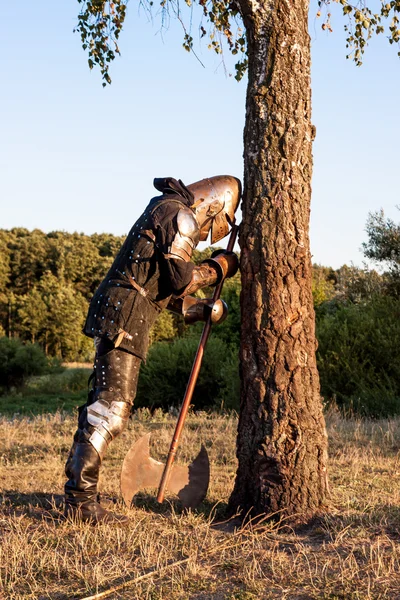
pixel 352 551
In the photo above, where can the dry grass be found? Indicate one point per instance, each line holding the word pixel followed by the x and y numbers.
pixel 351 552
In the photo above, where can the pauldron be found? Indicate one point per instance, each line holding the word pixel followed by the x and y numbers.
pixel 186 238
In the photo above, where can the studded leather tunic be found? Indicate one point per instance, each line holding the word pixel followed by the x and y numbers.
pixel 142 278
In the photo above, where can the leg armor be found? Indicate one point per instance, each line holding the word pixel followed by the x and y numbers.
pixel 107 412
pixel 103 417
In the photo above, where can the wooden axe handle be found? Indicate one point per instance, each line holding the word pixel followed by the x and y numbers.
pixel 192 382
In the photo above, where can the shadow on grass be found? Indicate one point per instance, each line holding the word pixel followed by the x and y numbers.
pixel 148 502
pixel 37 505
pixel 382 519
pixel 329 527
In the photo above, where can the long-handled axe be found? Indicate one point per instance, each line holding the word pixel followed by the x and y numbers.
pixel 140 471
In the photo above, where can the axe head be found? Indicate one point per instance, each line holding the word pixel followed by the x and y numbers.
pixel 140 471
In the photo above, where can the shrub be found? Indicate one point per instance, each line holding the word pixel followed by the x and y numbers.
pixel 359 356
pixel 56 382
pixel 163 380
pixel 19 361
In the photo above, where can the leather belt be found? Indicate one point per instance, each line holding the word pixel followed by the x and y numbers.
pixel 121 335
pixel 142 291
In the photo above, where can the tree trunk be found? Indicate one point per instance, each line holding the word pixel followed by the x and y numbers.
pixel 282 443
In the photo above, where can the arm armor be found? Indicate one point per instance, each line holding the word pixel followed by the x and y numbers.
pixel 199 309
pixel 186 238
pixel 203 275
pixel 213 270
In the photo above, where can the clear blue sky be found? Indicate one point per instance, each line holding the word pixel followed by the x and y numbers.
pixel 77 157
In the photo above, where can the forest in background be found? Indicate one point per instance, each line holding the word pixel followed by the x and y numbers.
pixel 47 280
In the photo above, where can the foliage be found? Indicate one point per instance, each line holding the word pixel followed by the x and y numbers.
pixel 358 285
pixel 323 284
pixel 100 23
pixel 383 247
pixel 164 329
pixel 359 355
pixel 200 255
pixel 383 239
pixel 53 382
pixel 358 334
pixel 55 314
pixel 19 361
pixel 362 23
pixel 229 330
pixel 358 327
pixel 163 380
pixel 46 281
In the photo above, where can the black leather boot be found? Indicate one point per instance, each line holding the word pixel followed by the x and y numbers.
pixel 82 470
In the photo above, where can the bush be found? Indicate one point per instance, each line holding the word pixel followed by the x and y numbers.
pixel 359 356
pixel 229 330
pixel 163 380
pixel 19 361
pixel 56 382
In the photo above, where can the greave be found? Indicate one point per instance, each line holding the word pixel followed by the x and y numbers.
pixel 104 416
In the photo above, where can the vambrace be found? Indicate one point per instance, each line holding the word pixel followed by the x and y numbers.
pixel 212 271
pixel 203 275
pixel 116 375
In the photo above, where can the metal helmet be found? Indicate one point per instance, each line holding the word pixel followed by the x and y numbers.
pixel 215 202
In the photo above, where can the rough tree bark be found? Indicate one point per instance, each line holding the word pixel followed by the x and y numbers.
pixel 282 444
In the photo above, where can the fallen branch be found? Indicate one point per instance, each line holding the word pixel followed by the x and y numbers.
pixel 137 579
pixel 248 528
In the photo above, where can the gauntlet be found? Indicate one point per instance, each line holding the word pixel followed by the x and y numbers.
pixel 199 309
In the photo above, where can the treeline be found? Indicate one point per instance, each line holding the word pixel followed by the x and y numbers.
pixel 46 281
pixel 358 326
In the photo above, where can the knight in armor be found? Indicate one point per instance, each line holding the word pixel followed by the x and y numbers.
pixel 152 271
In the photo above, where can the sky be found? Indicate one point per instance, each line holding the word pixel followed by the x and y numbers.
pixel 75 156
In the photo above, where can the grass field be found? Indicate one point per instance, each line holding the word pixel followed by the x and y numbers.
pixel 350 552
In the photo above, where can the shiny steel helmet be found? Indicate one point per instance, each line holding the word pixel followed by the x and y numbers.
pixel 215 202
